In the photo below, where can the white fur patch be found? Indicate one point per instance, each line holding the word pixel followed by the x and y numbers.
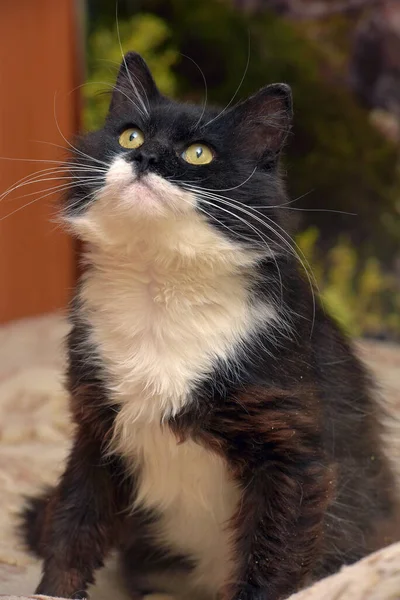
pixel 191 489
pixel 167 295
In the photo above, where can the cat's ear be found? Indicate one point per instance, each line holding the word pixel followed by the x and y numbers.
pixel 134 83
pixel 262 123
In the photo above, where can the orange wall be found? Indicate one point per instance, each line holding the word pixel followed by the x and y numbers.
pixel 38 59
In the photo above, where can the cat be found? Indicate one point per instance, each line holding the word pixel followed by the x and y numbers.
pixel 227 438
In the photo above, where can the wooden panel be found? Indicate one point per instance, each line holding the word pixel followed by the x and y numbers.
pixel 38 62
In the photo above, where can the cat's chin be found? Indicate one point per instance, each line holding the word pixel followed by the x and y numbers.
pixel 143 200
pixel 127 203
pixel 129 207
pixel 149 196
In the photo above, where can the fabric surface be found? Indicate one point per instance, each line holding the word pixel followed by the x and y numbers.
pixel 35 433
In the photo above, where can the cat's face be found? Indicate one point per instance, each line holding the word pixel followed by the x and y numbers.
pixel 158 161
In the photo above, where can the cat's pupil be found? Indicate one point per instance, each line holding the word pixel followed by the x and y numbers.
pixel 133 136
pixel 199 152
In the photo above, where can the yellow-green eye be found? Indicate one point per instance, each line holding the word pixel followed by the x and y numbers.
pixel 131 138
pixel 198 154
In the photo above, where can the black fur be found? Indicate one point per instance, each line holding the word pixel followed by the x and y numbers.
pixel 295 416
pixel 32 521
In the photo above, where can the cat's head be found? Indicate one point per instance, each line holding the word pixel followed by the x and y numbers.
pixel 157 161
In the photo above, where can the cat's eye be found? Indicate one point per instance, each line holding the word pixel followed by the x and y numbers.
pixel 198 154
pixel 131 138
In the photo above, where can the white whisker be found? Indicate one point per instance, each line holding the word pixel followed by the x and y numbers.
pixel 146 112
pixel 285 206
pixel 329 210
pixel 237 89
pixel 79 152
pixel 117 89
pixel 222 189
pixel 205 90
pixel 55 189
pixel 294 249
pixel 232 231
pixel 41 198
pixel 206 200
pixel 76 203
pixel 43 179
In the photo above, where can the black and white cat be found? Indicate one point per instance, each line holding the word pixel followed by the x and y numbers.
pixel 227 442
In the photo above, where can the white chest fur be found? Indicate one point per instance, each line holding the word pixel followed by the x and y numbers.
pixel 160 320
pixel 161 317
pixel 190 488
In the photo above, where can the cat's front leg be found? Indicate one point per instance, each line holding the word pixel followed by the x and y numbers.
pixel 82 522
pixel 275 449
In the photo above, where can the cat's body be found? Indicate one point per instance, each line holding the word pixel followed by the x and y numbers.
pixel 227 441
pixel 163 324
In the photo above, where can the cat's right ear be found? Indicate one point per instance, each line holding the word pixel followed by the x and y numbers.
pixel 134 83
pixel 261 124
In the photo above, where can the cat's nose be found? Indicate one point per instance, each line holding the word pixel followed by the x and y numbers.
pixel 144 160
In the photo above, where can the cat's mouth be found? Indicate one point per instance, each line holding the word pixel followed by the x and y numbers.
pixel 127 203
pixel 144 187
pixel 147 196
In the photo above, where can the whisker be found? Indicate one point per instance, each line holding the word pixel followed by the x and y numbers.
pixel 42 179
pixel 237 89
pixel 28 178
pixel 42 160
pixel 240 207
pixel 74 205
pixel 58 188
pixel 289 201
pixel 207 201
pixel 294 249
pixel 143 90
pixel 82 156
pixel 146 112
pixel 227 189
pixel 29 203
pixel 298 254
pixel 205 89
pixel 79 152
pixel 113 87
pixel 60 169
pixel 260 235
pixel 235 233
pixel 329 210
pixel 20 208
pixel 284 205
pixel 32 178
pixel 41 198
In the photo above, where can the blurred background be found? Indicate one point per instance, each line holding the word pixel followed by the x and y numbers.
pixel 342 59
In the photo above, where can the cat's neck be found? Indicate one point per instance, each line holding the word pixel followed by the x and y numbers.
pixel 188 244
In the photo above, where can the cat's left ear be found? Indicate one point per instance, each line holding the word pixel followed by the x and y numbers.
pixel 134 83
pixel 262 123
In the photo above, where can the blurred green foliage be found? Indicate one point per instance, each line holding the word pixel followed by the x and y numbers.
pixel 149 35
pixel 336 160
pixel 363 298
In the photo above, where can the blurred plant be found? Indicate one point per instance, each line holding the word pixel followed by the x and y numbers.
pixel 147 34
pixel 335 151
pixel 363 299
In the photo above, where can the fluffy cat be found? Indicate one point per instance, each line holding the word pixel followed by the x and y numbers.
pixel 227 439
